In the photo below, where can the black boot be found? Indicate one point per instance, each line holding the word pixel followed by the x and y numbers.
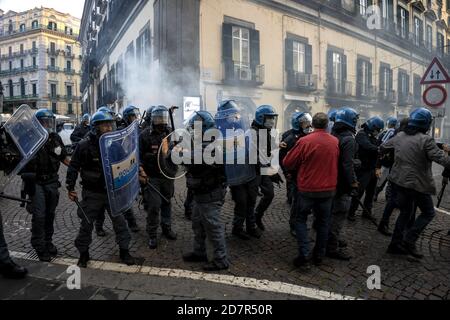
pixel 100 232
pixel 84 259
pixel 384 229
pixel 126 257
pixel 338 254
pixel 168 233
pixel 52 250
pixel 192 257
pixel 259 223
pixel 412 250
pixel 133 227
pixel 255 233
pixel 152 243
pixel 240 233
pixel 13 271
pixel 44 256
pixel 212 266
pixel 351 216
pixel 369 216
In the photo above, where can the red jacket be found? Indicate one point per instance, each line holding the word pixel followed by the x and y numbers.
pixel 315 158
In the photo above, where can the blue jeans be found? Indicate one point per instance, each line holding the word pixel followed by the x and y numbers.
pixel 4 253
pixel 322 210
pixel 407 200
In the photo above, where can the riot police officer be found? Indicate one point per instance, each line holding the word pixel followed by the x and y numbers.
pixel 301 123
pixel 159 189
pixel 207 182
pixel 87 160
pixel 44 168
pixel 265 119
pixel 147 119
pixel 367 139
pixel 81 130
pixel 130 114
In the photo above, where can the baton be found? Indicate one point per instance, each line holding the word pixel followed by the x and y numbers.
pixel 157 191
pixel 82 211
pixel 441 194
pixel 171 111
pixel 4 196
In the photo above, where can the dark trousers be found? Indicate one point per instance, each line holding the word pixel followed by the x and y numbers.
pixel 128 215
pixel 244 197
pixel 294 205
pixel 95 204
pixel 407 200
pixel 189 201
pixel 322 212
pixel 4 253
pixel 156 204
pixel 43 206
pixel 367 185
pixel 267 190
pixel 341 204
pixel 391 203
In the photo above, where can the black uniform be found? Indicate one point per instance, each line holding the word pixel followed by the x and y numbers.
pixel 44 168
pixel 87 160
pixel 79 133
pixel 149 144
pixel 368 155
pixel 207 184
pixel 290 137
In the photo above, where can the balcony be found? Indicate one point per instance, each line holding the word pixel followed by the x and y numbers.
pixel 69 71
pixel 54 96
pixel 243 75
pixel 68 54
pixel 405 99
pixel 301 81
pixel 53 69
pixel 16 71
pixel 387 96
pixel 22 97
pixel 38 27
pixel 338 87
pixel 366 92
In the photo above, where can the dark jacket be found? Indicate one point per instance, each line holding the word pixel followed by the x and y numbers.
pixel 45 165
pixel 79 133
pixel 290 137
pixel 263 149
pixel 414 155
pixel 367 150
pixel 87 161
pixel 347 153
pixel 149 144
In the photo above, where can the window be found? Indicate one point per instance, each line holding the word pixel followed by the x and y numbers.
pixel 299 57
pixel 363 6
pixel 53 90
pixel 69 91
pixel 429 44
pixel 54 108
pixel 69 49
pixel 336 71
pixel 385 80
pixel 52 26
pixel 11 88
pixel 143 46
pixel 440 43
pixel 403 22
pixel 34 88
pixel 69 108
pixel 52 62
pixel 364 77
pixel 34 61
pixel 387 12
pixel 418 31
pixel 34 45
pixel 417 89
pixel 10 51
pixel 66 29
pixel 34 24
pixel 22 87
pixel 69 66
pixel 10 66
pixel 22 28
pixel 241 48
pixel 403 86
pixel 21 64
pixel 52 47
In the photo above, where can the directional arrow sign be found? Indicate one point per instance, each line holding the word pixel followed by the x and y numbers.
pixel 435 73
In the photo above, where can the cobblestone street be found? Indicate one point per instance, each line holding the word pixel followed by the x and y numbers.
pixel 269 258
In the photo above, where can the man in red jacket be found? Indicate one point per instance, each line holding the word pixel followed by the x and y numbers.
pixel 315 158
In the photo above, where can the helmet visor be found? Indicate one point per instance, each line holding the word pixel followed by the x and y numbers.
pixel 160 118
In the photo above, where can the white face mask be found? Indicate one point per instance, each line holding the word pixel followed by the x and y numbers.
pixel 308 130
pixel 269 123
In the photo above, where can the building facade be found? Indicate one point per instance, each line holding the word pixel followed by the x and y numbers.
pixel 40 60
pixel 297 55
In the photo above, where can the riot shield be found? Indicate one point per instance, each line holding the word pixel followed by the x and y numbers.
pixel 236 142
pixel 25 135
pixel 120 160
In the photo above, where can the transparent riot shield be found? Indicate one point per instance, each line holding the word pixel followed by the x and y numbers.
pixel 120 159
pixel 25 136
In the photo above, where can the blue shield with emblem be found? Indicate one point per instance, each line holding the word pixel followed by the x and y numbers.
pixel 26 136
pixel 234 127
pixel 120 160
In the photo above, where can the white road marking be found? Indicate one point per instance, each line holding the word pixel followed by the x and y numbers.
pixel 243 282
pixel 442 211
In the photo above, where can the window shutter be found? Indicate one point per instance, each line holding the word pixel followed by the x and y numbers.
pixel 289 55
pixel 399 84
pixel 370 75
pixel 344 67
pixel 308 59
pixel 329 65
pixel 407 84
pixel 359 79
pixel 227 42
pixel 383 85
pixel 254 48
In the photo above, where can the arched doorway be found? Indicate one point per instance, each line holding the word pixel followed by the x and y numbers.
pixel 294 106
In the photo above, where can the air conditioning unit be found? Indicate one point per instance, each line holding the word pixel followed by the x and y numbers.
pixel 245 74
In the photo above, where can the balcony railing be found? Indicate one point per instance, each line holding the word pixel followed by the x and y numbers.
pixel 37 27
pixel 366 92
pixel 338 87
pixel 387 96
pixel 19 70
pixel 54 96
pixel 69 71
pixel 53 69
pixel 22 97
pixel 405 99
pixel 302 81
pixel 238 74
pixel 72 98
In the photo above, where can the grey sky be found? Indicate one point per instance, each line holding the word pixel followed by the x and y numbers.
pixel 73 7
